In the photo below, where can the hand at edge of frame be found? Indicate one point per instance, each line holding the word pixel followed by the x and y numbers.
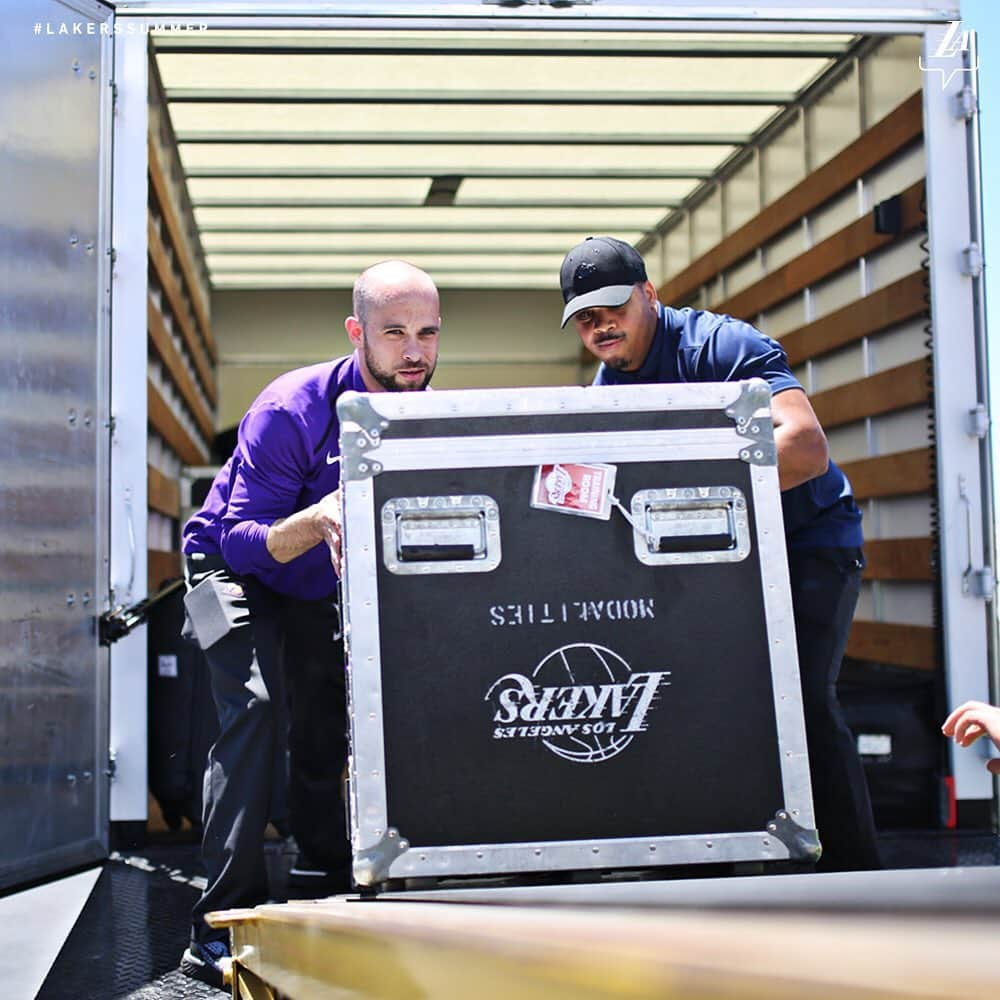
pixel 969 722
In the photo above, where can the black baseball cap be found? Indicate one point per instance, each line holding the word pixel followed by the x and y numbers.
pixel 601 271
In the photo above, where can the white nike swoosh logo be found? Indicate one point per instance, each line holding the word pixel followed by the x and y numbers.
pixel 330 459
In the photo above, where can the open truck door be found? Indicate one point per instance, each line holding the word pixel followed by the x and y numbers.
pixel 962 438
pixel 55 435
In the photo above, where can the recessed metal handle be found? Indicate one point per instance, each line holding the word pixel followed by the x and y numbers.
pixel 427 535
pixel 690 524
pixel 692 527
pixel 441 534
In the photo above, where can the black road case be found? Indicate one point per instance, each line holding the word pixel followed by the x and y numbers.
pixel 535 692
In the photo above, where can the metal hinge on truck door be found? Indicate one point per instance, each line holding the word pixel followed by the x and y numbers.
pixel 977 421
pixel 972 261
pixel 966 104
pixel 979 583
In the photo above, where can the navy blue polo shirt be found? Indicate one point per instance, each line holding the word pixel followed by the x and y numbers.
pixel 696 346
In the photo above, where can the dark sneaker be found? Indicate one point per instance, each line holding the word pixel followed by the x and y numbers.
pixel 210 962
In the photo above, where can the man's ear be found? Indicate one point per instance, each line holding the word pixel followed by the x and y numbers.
pixel 649 290
pixel 354 331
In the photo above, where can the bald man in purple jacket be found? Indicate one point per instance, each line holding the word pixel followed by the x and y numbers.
pixel 264 552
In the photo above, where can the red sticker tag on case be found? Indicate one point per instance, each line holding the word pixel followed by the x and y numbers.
pixel 572 488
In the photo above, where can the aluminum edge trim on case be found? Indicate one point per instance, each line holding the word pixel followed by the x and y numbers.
pixel 488 451
pixel 363 665
pixel 780 622
pixel 584 854
pixel 546 400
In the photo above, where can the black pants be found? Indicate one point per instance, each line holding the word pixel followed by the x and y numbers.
pixel 279 652
pixel 825 585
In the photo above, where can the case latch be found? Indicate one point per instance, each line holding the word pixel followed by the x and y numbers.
pixel 441 534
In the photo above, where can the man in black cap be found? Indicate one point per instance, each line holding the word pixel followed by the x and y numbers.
pixel 615 310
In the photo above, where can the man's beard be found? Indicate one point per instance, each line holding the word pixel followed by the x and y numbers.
pixel 618 364
pixel 387 379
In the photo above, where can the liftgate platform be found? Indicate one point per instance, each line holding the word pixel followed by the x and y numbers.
pixel 907 934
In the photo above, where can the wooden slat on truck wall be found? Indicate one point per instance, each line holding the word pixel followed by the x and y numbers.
pixel 894 389
pixel 896 303
pixel 913 646
pixel 900 474
pixel 899 129
pixel 163 421
pixel 164 494
pixel 172 289
pixel 165 206
pixel 161 566
pixel 899 559
pixel 906 386
pixel 167 352
pixel 858 239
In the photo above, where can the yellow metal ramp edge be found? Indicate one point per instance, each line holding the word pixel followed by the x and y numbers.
pixel 344 947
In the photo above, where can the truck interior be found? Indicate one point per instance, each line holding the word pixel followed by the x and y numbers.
pixel 777 177
pixel 774 170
